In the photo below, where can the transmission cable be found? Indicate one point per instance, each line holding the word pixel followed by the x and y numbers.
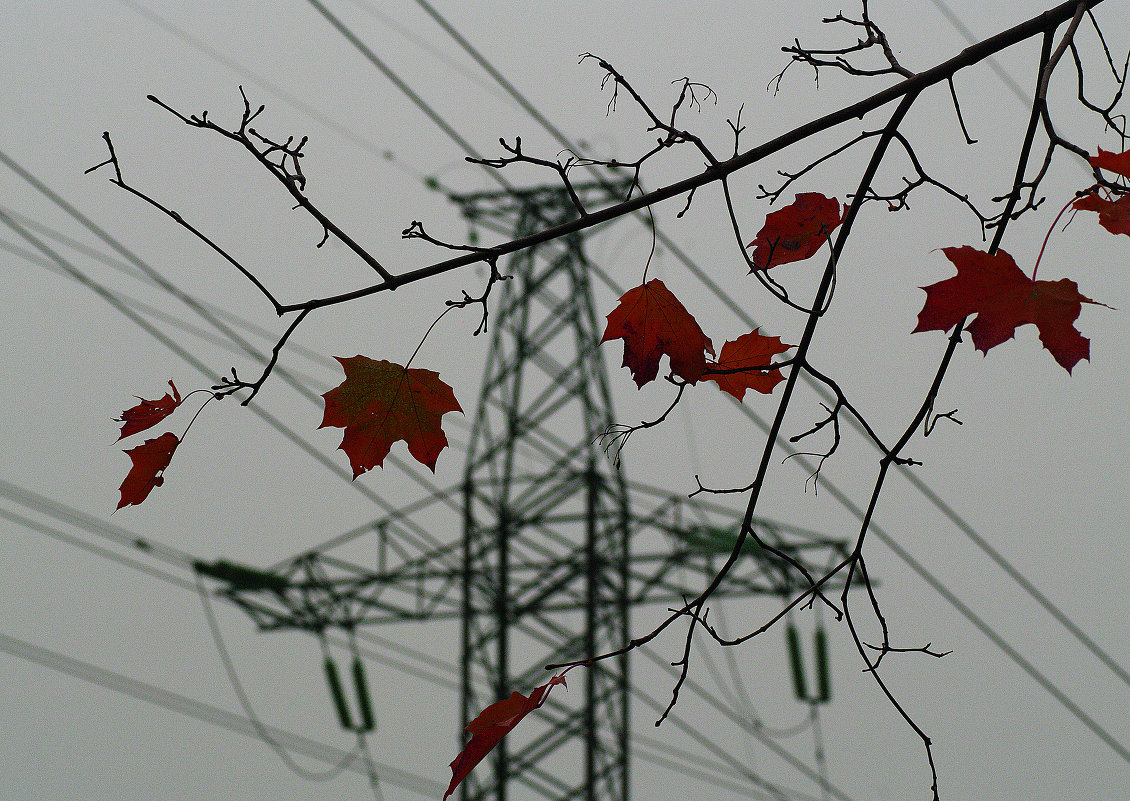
pixel 202 711
pixel 404 88
pixel 237 686
pixel 151 312
pixel 126 269
pixel 80 520
pixel 255 78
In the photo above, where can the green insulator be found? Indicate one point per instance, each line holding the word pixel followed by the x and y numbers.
pixel 823 673
pixel 792 639
pixel 337 695
pixel 368 722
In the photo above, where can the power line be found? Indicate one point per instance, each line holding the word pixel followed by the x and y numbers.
pixel 257 79
pixel 173 556
pixel 994 65
pixel 236 685
pixel 126 269
pixel 150 311
pixel 404 88
pixel 207 713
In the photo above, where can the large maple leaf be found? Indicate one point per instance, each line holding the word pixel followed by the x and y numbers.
pixel 491 725
pixel 652 322
pixel 380 403
pixel 737 362
pixel 1004 298
pixel 149 460
pixel 148 413
pixel 795 232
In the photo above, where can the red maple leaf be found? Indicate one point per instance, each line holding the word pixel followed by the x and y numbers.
pixel 652 322
pixel 148 413
pixel 1114 215
pixel 743 354
pixel 380 403
pixel 1004 298
pixel 149 460
pixel 1114 162
pixel 795 232
pixel 491 725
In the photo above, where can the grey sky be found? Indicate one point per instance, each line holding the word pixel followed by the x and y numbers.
pixel 1038 467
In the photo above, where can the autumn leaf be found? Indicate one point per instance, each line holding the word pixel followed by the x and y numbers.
pixel 742 354
pixel 149 460
pixel 148 413
pixel 1004 298
pixel 1113 162
pixel 491 725
pixel 380 403
pixel 652 322
pixel 1114 215
pixel 795 232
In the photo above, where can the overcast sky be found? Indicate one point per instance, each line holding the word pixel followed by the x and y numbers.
pixel 1038 468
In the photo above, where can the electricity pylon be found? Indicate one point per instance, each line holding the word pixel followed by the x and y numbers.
pixel 557 544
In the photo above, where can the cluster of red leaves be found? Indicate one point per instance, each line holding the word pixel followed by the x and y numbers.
pixel 492 724
pixel 653 323
pixel 152 456
pixel 380 403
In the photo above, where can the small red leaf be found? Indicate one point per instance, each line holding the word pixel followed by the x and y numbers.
pixel 745 353
pixel 1114 215
pixel 795 232
pixel 491 725
pixel 652 322
pixel 1114 162
pixel 1004 298
pixel 148 413
pixel 380 403
pixel 149 460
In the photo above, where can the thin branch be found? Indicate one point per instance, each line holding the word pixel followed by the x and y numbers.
pixel 119 181
pixel 286 170
pixel 616 436
pixel 229 385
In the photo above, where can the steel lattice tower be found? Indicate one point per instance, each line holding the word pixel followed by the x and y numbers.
pixel 546 516
pixel 557 544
